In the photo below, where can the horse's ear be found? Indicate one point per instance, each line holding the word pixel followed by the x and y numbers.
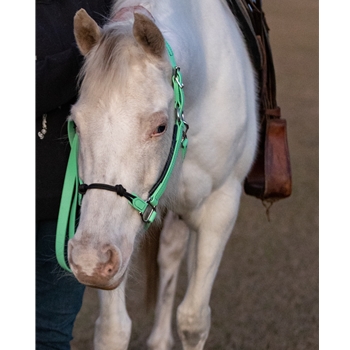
pixel 86 31
pixel 148 35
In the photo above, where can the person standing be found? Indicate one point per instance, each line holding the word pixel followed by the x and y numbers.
pixel 58 61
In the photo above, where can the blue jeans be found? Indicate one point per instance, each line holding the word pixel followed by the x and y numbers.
pixel 58 294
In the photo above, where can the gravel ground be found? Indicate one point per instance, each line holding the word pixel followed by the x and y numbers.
pixel 266 292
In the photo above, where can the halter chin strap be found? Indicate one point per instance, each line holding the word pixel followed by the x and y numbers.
pixel 74 189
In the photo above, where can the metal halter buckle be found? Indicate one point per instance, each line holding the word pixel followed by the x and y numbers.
pixel 149 213
pixel 176 71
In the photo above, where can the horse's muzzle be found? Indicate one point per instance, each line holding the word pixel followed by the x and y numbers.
pixel 98 268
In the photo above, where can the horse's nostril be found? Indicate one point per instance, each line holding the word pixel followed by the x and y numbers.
pixel 111 266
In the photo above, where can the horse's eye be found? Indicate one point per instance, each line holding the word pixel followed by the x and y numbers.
pixel 160 130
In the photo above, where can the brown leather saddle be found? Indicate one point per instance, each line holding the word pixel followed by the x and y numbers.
pixel 270 177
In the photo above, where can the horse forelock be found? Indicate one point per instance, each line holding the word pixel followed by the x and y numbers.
pixel 108 64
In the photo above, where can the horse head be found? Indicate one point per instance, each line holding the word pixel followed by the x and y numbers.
pixel 124 117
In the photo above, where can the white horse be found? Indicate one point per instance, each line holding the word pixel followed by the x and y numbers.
pixel 125 120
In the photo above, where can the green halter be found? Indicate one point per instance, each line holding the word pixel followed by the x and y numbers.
pixel 73 188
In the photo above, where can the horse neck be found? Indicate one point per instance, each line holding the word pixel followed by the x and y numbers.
pixel 188 24
pixel 196 31
pixel 176 18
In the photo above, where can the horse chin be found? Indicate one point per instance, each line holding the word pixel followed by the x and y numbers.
pixel 111 286
pixel 91 282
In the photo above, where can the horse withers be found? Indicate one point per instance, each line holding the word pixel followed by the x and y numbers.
pixel 127 124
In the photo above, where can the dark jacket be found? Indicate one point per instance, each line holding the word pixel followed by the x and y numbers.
pixel 57 65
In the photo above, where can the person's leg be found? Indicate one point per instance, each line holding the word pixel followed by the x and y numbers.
pixel 58 294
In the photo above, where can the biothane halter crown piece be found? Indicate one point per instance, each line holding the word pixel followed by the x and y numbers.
pixel 74 189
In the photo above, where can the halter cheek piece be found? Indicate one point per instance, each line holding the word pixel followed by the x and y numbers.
pixel 74 189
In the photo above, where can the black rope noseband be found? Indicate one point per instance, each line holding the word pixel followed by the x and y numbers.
pixel 118 189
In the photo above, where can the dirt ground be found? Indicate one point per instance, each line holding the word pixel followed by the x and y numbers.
pixel 266 292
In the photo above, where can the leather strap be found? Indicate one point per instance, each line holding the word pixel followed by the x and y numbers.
pixel 270 176
pixel 253 24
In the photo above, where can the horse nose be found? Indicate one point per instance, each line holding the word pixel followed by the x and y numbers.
pixel 94 267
